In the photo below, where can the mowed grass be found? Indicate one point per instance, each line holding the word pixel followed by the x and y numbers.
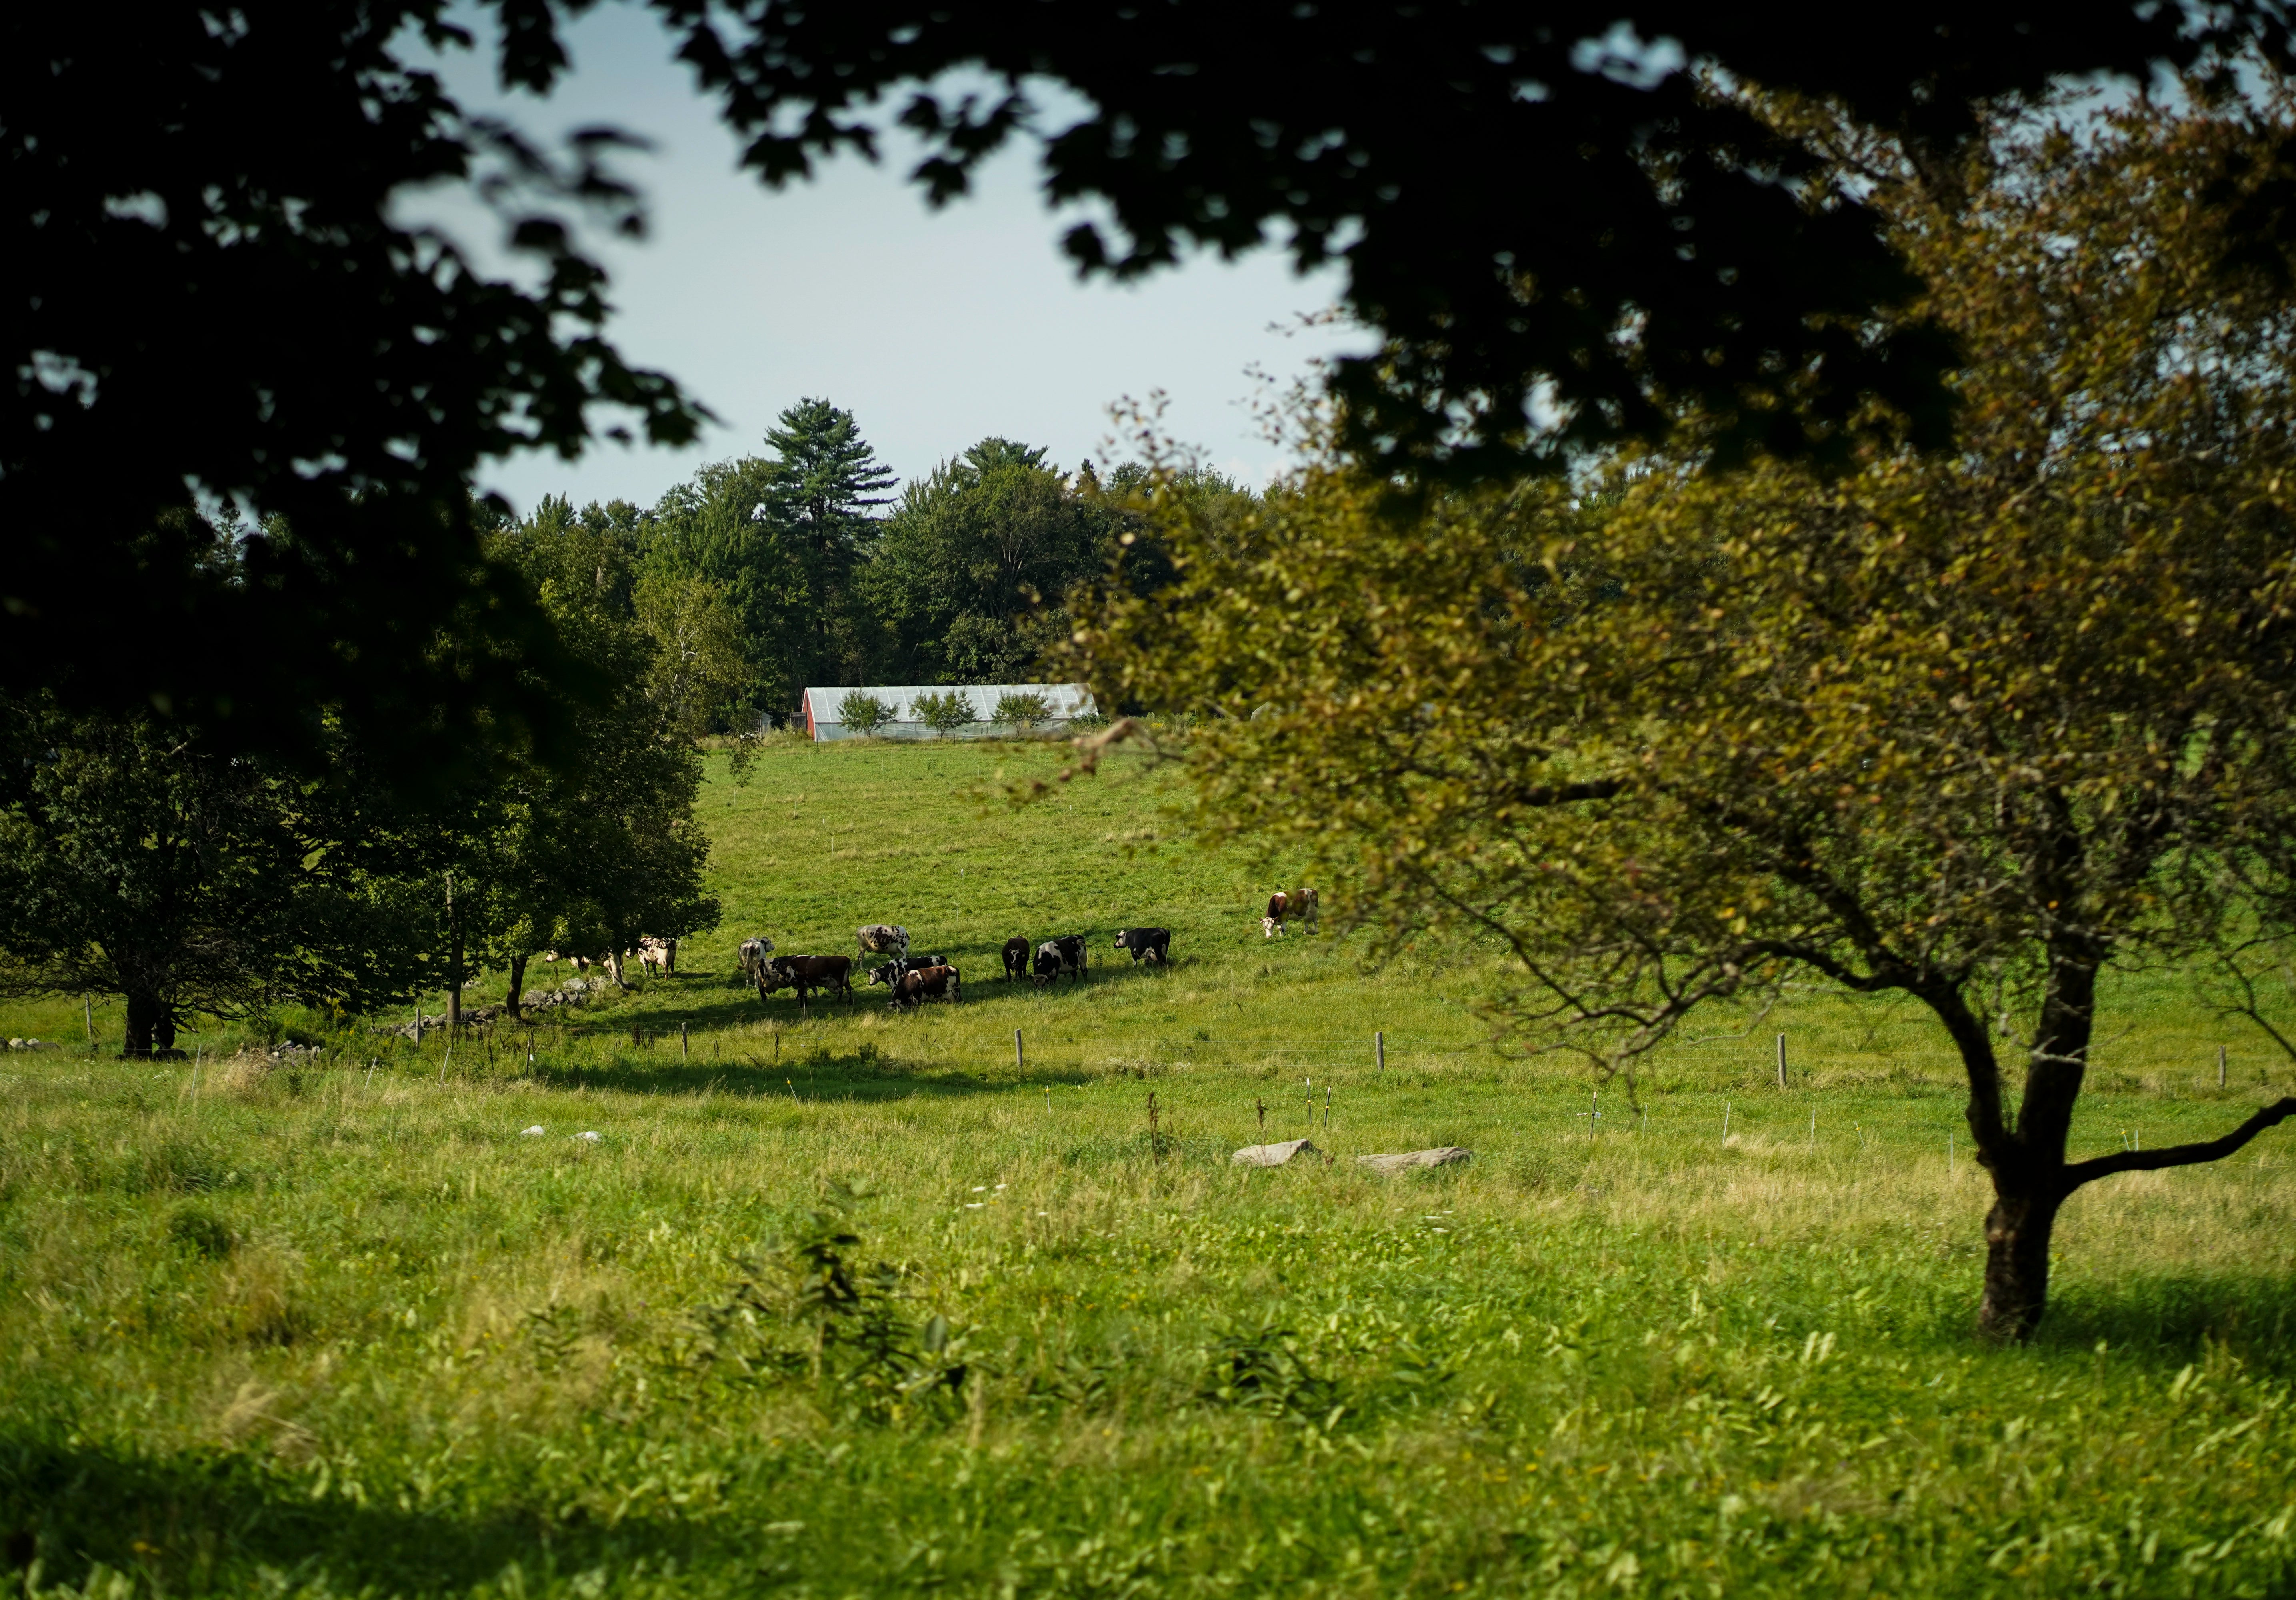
pixel 346 1328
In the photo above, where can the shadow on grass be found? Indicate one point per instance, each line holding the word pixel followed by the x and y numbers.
pixel 213 1524
pixel 813 1073
pixel 2171 1319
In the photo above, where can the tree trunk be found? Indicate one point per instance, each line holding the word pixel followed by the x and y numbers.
pixel 2017 1232
pixel 517 984
pixel 145 1013
pixel 2025 1158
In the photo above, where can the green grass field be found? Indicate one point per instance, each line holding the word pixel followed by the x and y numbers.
pixel 346 1329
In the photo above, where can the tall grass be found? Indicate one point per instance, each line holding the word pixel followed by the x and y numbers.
pixel 347 1327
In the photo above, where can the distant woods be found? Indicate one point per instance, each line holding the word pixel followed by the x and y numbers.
pixel 801 566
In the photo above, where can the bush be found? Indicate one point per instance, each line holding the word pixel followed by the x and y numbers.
pixel 1022 712
pixel 863 711
pixel 943 713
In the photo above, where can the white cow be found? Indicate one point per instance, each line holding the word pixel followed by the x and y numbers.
pixel 754 952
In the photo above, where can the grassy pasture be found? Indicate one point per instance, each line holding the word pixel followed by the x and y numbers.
pixel 346 1329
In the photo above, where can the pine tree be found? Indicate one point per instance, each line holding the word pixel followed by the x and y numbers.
pixel 824 477
pixel 818 490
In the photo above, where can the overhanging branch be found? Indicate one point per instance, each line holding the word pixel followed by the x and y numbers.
pixel 2177 1156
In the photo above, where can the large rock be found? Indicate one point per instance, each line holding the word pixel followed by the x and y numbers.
pixel 1272 1156
pixel 1448 1155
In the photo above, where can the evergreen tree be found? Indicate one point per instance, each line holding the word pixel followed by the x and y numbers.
pixel 819 486
pixel 824 476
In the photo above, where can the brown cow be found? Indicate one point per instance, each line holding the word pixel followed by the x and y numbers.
pixel 913 989
pixel 805 974
pixel 1016 959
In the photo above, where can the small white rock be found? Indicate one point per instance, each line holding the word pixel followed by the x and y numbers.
pixel 534 1132
pixel 591 1138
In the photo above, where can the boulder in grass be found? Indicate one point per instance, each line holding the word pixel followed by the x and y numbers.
pixel 1447 1156
pixel 1272 1155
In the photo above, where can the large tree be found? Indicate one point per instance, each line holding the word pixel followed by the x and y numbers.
pixel 592 855
pixel 1979 728
pixel 137 859
pixel 974 567
pixel 206 260
pixel 783 537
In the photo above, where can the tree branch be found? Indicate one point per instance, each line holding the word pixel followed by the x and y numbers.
pixel 2176 1155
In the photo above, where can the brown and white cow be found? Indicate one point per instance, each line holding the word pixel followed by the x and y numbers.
pixel 658 955
pixel 1016 959
pixel 913 989
pixel 805 974
pixel 1298 903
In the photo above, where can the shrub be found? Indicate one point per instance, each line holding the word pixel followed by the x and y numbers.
pixel 944 712
pixel 863 711
pixel 1022 712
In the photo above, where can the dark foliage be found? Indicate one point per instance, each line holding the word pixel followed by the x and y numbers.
pixel 209 304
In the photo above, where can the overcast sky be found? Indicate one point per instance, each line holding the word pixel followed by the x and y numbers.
pixel 935 329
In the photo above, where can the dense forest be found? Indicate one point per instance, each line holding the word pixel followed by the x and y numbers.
pixel 804 566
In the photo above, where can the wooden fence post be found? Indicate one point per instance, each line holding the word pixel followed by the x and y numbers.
pixel 1782 1060
pixel 1379 1050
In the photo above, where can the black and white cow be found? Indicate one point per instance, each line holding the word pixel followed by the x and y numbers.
pixel 1057 956
pixel 1147 944
pixel 901 966
pixel 1016 959
pixel 754 952
pixel 884 939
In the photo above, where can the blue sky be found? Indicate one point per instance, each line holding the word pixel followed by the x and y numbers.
pixel 936 328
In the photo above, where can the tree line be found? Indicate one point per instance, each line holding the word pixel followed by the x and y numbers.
pixel 142 858
pixel 801 567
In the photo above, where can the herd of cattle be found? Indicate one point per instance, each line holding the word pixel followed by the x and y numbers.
pixel 914 979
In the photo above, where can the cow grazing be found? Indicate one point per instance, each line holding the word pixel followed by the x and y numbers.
pixel 913 989
pixel 754 952
pixel 1067 954
pixel 892 971
pixel 1016 959
pixel 1147 944
pixel 1299 904
pixel 805 974
pixel 882 939
pixel 1047 966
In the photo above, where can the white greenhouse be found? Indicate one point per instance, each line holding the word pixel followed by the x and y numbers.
pixel 825 711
